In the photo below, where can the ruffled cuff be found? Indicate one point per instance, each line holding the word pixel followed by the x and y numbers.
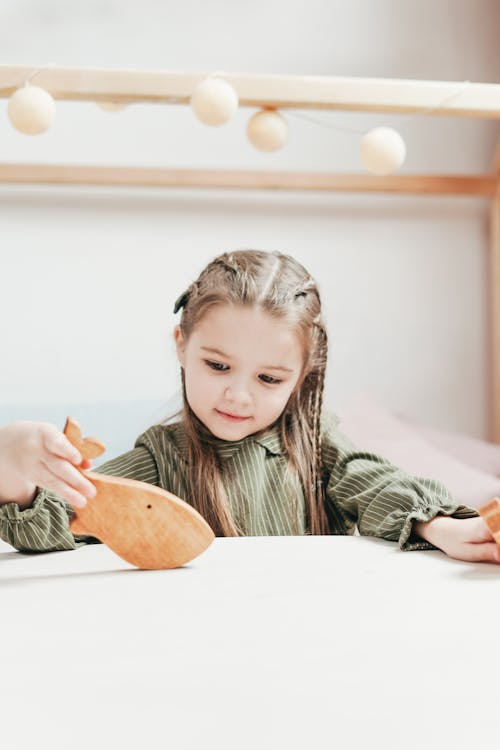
pixel 13 512
pixel 409 540
pixel 43 527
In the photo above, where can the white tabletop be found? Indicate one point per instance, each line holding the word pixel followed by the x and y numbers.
pixel 261 642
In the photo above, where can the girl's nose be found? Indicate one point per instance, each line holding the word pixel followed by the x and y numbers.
pixel 237 394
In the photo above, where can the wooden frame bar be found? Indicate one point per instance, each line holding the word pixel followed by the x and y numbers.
pixel 494 304
pixel 455 98
pixel 53 174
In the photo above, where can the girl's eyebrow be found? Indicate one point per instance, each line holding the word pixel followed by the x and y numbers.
pixel 216 351
pixel 226 356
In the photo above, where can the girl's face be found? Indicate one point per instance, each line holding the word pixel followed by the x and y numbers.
pixel 240 366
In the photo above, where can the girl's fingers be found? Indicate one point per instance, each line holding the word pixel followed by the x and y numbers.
pixel 69 477
pixel 65 471
pixel 54 484
pixel 481 532
pixel 486 552
pixel 57 443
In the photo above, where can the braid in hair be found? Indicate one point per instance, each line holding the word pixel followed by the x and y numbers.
pixel 319 524
pixel 301 426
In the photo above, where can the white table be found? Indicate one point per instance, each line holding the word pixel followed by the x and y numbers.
pixel 263 642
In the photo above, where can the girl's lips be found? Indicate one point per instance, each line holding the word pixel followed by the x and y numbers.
pixel 231 417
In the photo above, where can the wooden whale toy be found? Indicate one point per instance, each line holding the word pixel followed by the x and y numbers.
pixel 145 525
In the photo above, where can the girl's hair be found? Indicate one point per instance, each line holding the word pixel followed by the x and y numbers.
pixel 281 287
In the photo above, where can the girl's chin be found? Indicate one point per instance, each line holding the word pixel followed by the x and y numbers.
pixel 228 430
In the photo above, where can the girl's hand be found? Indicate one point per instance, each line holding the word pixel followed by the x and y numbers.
pixel 38 454
pixel 466 539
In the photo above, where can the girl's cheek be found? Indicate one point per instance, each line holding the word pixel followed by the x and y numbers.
pixel 277 399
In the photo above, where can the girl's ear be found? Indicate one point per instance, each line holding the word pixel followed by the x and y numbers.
pixel 180 344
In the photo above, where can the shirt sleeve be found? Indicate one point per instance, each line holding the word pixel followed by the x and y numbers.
pixel 382 499
pixel 44 526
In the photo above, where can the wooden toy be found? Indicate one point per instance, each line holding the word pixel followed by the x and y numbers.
pixel 145 525
pixel 491 515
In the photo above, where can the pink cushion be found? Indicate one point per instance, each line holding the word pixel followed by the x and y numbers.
pixel 373 428
pixel 472 451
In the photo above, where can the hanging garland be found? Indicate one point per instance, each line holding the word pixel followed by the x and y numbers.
pixel 31 111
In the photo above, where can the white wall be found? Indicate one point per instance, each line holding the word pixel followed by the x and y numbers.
pixel 89 276
pixel 89 284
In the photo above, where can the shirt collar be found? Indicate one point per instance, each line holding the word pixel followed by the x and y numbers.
pixel 270 440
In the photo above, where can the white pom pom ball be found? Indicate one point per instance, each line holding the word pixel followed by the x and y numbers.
pixel 382 151
pixel 267 130
pixel 214 101
pixel 31 110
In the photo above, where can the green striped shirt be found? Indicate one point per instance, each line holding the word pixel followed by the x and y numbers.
pixel 364 491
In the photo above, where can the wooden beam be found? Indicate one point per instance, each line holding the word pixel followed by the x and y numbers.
pixel 494 318
pixel 496 160
pixel 455 98
pixel 494 304
pixel 52 174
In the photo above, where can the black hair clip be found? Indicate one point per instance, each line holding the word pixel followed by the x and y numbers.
pixel 181 301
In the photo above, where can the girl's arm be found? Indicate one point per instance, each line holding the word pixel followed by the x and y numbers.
pixel 469 539
pixel 42 523
pixel 16 490
pixel 383 499
pixel 37 454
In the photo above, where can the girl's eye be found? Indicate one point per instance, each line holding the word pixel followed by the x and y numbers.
pixel 217 366
pixel 269 379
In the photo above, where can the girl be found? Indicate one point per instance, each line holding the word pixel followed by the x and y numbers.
pixel 250 449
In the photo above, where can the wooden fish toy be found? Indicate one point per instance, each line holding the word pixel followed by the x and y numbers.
pixel 490 513
pixel 145 525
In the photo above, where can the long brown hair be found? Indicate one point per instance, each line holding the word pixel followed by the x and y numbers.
pixel 283 288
